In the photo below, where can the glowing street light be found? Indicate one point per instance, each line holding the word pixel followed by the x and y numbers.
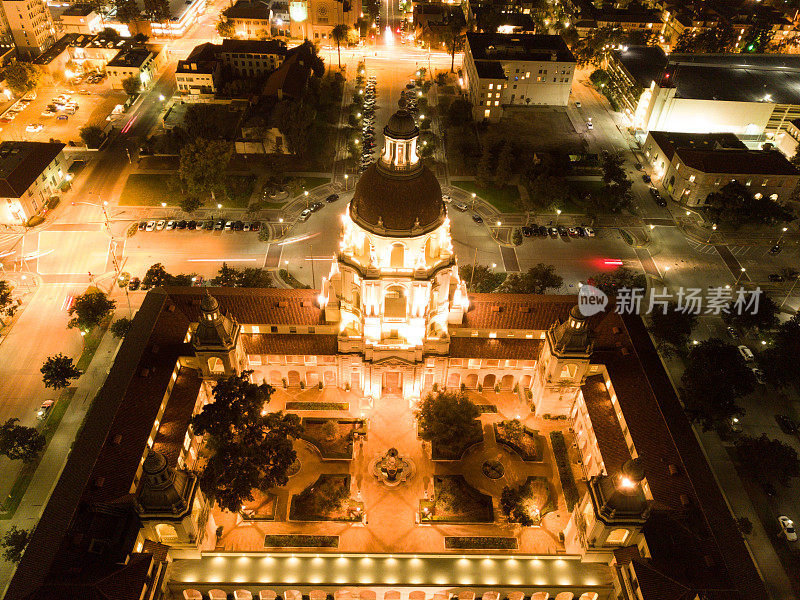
pixel 163 205
pixel 783 232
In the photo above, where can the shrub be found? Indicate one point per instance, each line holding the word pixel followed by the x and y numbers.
pixel 516 237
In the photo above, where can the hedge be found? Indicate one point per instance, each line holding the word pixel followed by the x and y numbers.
pixel 564 469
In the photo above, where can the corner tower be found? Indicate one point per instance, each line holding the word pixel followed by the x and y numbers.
pixel 216 341
pixel 394 286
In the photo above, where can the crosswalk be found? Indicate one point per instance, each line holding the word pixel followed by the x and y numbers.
pixel 737 251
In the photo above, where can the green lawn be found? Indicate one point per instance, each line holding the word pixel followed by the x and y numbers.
pixel 142 189
pixel 298 184
pixel 504 199
pixel 240 188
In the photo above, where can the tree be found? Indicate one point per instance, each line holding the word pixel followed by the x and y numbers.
pixel 202 121
pixel 745 525
pixel 6 301
pixel 715 376
pixel 57 371
pixel 524 504
pixel 459 113
pixel 93 136
pixel 21 77
pixel 158 9
pixel 13 543
pixel 615 195
pixel 248 277
pixel 295 120
pixel 127 11
pixel 735 205
pixel 90 309
pixel 454 38
pixel 156 276
pixel 189 204
pixel 512 430
pixel 505 163
pixel 779 359
pixel 446 417
pixel 483 176
pixel 768 460
pixel 672 326
pixel 251 448
pixel 621 277
pixel 721 38
pixel 545 182
pixel 480 278
pixel 537 280
pixel 202 166
pixel 225 28
pixel 19 442
pixel 131 85
pixel 763 318
pixel 120 327
pixel 339 35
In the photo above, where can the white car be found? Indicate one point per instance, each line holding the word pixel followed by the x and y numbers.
pixel 151 225
pixel 589 125
pixel 34 128
pixel 160 225
pixel 746 353
pixel 787 529
pixel 44 410
pixel 460 206
pixel 447 198
pixel 588 231
pixel 305 214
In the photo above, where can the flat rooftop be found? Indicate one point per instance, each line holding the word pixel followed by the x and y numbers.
pixel 131 58
pixel 21 163
pixel 725 77
pixel 518 46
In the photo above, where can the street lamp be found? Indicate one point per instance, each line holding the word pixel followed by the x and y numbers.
pixel 783 232
pixel 345 181
pixel 219 206
pixel 163 205
pixel 473 200
pixel 558 214
pixel 741 274
pixel 713 229
pixel 305 193
pixel 499 223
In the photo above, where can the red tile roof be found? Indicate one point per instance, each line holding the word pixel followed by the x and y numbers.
pixel 268 306
pixel 515 311
pixel 510 348
pixel 605 424
pixel 289 343
pixel 177 414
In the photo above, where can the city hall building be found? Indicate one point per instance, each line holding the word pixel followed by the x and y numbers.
pixel 391 323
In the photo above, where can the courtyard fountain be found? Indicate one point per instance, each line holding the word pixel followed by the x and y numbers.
pixel 391 469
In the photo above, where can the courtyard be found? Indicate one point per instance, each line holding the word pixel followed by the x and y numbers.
pixel 334 503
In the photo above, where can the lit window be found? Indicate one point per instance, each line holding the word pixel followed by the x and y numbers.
pixel 497 103
pixel 691 178
pixel 491 86
pixel 493 335
pixel 617 536
pixel 486 114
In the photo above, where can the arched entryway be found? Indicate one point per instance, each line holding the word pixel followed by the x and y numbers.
pixel 488 381
pixel 472 381
pixel 312 379
pixel 293 378
pixel 453 380
pixel 526 381
pixel 275 378
pixel 166 533
pixel 329 378
pixel 507 382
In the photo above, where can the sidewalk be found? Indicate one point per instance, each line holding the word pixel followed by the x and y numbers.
pixel 57 453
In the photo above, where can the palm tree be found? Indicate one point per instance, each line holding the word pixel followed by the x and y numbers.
pixel 339 34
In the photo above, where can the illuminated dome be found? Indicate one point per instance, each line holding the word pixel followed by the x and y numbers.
pixel 398 195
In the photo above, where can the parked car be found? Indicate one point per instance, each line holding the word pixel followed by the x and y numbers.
pixel 787 528
pixel 134 284
pixel 316 206
pixel 460 206
pixel 142 225
pixel 208 226
pixel 238 226
pixel 776 249
pixel 477 218
pixel 657 197
pixel 746 353
pixel 228 225
pixel 589 231
pixel 787 424
pixel 191 225
pixel 589 125
pixel 332 198
pixel 562 230
pixel 527 231
pixel 305 214
pixel 171 224
pixel 181 224
pixel 446 198
pixel 255 226
pixel 151 225
pixel 553 231
pixel 34 128
pixel 758 374
pixel 573 232
pixel 219 224
pixel 646 178
pixel 160 225
pixel 44 410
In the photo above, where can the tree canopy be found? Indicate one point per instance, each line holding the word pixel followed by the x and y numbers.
pixel 621 277
pixel 21 77
pixel 132 85
pixel 6 301
pixel 446 417
pixel 90 309
pixel 252 448
pixel 765 317
pixel 339 35
pixel 480 278
pixel 715 377
pixel 202 166
pixel 57 371
pixel 537 280
pixel 120 327
pixel 672 326
pixel 615 195
pixel 708 40
pixel 18 442
pixel 779 359
pixel 248 277
pixel 735 205
pixel 93 136
pixel 768 460
pixel 225 28
pixel 13 543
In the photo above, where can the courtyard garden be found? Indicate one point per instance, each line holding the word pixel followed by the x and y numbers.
pixel 327 499
pixel 455 501
pixel 529 503
pixel 524 441
pixel 333 437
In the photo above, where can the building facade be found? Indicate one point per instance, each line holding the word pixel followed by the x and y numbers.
pixel 689 167
pixel 81 18
pixel 31 25
pixel 142 63
pixel 250 19
pixel 522 70
pixel 30 173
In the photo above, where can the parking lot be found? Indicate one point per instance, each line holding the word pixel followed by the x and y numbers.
pixel 94 103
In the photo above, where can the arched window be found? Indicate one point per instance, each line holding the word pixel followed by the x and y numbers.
pixel 394 302
pixel 568 371
pixel 215 365
pixel 398 256
pixel 617 536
